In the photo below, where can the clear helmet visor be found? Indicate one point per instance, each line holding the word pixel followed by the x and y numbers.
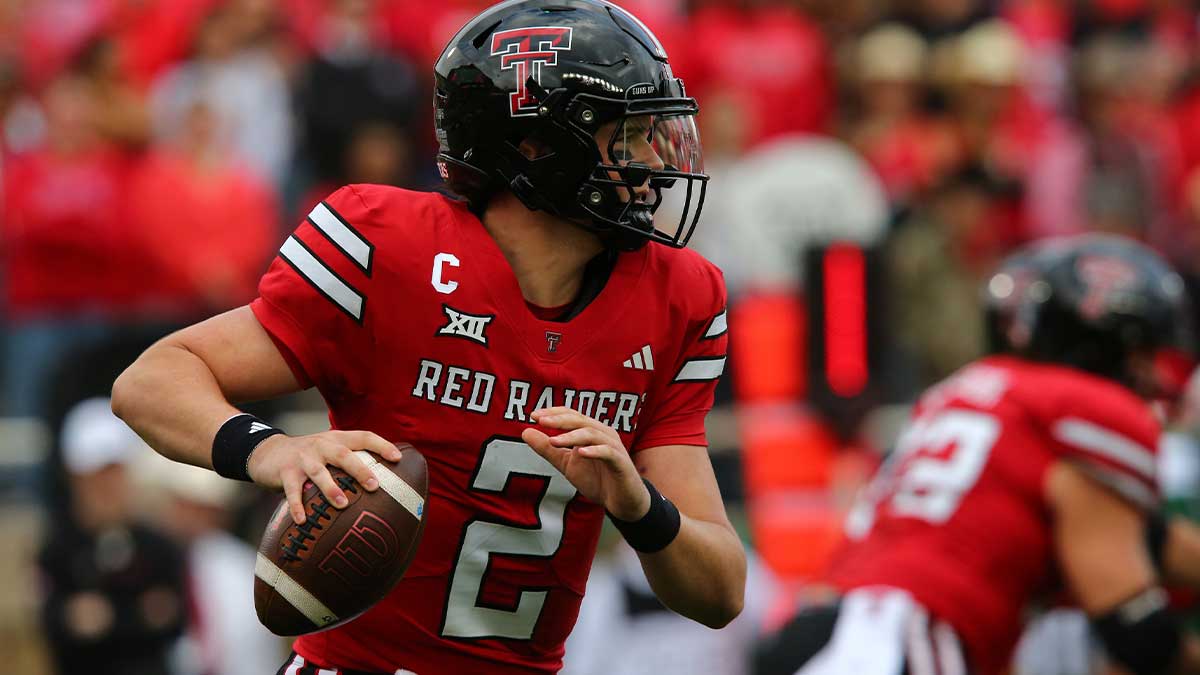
pixel 663 142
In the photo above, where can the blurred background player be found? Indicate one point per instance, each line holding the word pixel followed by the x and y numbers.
pixel 950 540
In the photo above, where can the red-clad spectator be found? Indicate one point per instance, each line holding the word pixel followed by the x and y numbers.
pixel 154 34
pixel 998 128
pixel 204 225
pixel 908 149
pixel 53 32
pixel 65 237
pixel 235 68
pixel 121 115
pixel 1044 27
pixel 772 58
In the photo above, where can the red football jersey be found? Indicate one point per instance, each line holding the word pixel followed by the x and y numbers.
pixel 402 310
pixel 958 515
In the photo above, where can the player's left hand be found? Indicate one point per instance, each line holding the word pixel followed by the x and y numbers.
pixel 591 455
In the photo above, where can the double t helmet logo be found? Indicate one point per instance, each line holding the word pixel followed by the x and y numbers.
pixel 527 51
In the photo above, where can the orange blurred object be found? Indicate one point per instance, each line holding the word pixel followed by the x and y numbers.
pixel 768 337
pixel 789 457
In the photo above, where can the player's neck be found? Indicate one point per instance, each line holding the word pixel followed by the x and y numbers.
pixel 547 254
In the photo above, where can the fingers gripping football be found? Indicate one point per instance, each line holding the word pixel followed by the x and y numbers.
pixel 288 462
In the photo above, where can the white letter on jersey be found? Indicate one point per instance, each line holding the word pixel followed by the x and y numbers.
pixel 518 396
pixel 545 399
pixel 602 406
pixel 448 394
pixel 481 394
pixel 626 405
pixel 427 380
pixel 445 287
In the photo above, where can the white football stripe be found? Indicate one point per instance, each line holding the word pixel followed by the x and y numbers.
pixel 697 370
pixel 1107 443
pixel 295 666
pixel 718 325
pixel 322 277
pixel 296 595
pixel 351 242
pixel 649 358
pixel 402 492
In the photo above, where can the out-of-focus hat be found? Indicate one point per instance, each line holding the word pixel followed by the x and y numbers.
pixel 990 52
pixel 93 438
pixel 191 483
pixel 891 52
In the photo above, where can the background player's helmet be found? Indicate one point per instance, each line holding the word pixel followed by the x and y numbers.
pixel 521 92
pixel 1003 291
pixel 1112 307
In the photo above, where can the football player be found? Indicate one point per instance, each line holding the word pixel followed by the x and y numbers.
pixel 549 347
pixel 1019 473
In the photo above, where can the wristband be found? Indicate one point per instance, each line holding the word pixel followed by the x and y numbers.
pixel 235 441
pixel 654 531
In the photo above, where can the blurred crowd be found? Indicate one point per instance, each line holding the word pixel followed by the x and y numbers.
pixel 153 154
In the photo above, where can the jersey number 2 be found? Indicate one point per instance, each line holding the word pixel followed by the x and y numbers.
pixel 466 616
pixel 936 461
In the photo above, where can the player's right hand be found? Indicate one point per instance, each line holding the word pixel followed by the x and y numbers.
pixel 288 462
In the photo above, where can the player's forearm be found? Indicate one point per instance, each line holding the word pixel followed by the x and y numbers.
pixel 171 398
pixel 701 574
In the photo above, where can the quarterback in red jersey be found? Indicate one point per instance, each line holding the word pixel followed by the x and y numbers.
pixel 1019 474
pixel 549 347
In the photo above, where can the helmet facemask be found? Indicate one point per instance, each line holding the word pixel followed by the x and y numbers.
pixel 603 163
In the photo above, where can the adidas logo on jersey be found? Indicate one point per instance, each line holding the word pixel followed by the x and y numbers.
pixel 256 427
pixel 642 360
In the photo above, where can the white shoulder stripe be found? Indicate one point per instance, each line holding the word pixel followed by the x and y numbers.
pixel 396 487
pixel 295 666
pixel 322 277
pixel 718 326
pixel 298 596
pixel 342 235
pixel 1107 443
pixel 701 369
pixel 1122 483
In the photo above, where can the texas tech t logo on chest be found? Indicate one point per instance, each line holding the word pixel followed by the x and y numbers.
pixel 527 51
pixel 469 326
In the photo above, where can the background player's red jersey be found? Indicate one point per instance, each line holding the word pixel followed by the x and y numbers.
pixel 402 310
pixel 958 516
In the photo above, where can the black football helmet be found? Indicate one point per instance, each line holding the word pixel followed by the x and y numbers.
pixel 523 92
pixel 1003 291
pixel 1113 307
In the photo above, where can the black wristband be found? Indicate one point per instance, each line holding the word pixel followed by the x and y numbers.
pixel 1156 538
pixel 234 442
pixel 654 531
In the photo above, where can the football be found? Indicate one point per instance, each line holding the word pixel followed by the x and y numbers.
pixel 340 562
